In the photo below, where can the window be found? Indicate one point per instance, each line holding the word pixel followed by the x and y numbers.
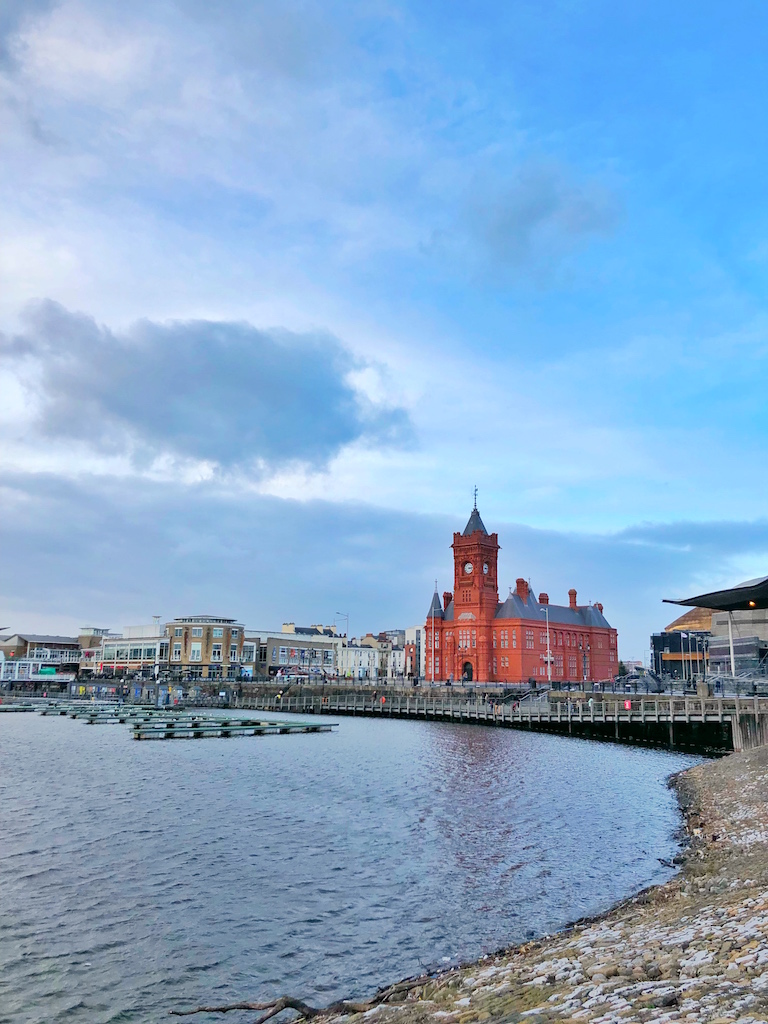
pixel 248 652
pixel 233 652
pixel 494 662
pixel 176 652
pixel 216 652
pixel 613 639
pixel 164 651
pixel 109 654
pixel 529 639
pixel 572 666
pixel 262 652
pixel 494 644
pixel 613 657
pixel 514 638
pixel 283 655
pixel 197 631
pixel 178 631
pixel 235 632
pixel 542 638
pixel 558 664
pixel 135 654
pixel 196 652
pixel 474 638
pixel 437 663
pixel 149 652
pixel 218 632
pixel 600 643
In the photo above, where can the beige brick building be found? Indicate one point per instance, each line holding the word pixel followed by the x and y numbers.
pixel 205 647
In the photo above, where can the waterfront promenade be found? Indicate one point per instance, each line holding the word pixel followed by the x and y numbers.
pixel 713 725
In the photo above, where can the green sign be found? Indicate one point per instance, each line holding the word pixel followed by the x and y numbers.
pixel 48 671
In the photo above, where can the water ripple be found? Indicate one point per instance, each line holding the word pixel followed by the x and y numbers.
pixel 139 876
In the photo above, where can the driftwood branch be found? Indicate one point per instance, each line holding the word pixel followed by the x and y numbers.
pixel 306 1012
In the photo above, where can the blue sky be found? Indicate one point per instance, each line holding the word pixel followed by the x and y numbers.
pixel 314 270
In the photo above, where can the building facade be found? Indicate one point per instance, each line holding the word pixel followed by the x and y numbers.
pixel 205 647
pixel 472 636
pixel 415 653
pixel 302 652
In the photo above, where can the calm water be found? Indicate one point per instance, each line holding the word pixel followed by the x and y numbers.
pixel 135 877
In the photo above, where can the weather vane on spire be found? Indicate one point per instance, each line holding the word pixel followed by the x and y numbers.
pixel 475 493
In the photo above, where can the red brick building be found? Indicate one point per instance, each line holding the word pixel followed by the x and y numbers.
pixel 472 635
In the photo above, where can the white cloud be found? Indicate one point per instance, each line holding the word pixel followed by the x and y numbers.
pixel 73 54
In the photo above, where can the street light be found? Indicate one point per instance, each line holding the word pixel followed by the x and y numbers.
pixel 549 652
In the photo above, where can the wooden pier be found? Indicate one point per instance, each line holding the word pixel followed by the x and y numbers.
pixel 189 728
pixel 715 725
pixel 148 723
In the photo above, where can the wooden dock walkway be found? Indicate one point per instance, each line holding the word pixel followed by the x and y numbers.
pixel 147 723
pixel 711 725
pixel 225 728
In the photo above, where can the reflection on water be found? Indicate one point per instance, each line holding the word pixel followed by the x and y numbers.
pixel 139 876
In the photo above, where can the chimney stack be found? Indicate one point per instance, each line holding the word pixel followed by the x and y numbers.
pixel 521 588
pixel 543 598
pixel 447 598
pixel 572 597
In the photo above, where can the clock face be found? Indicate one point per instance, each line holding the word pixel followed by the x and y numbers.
pixel 485 568
pixel 467 568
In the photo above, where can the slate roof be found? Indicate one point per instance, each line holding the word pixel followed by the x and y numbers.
pixel 474 524
pixel 435 607
pixel 563 615
pixel 37 638
pixel 515 608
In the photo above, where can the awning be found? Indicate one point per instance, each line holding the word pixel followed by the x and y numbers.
pixel 742 597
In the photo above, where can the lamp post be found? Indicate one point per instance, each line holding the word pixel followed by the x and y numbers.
pixel 432 641
pixel 549 652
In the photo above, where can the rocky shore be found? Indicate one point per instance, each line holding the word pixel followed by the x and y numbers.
pixel 694 949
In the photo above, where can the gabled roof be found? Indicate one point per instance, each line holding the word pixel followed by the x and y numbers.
pixel 435 608
pixel 36 638
pixel 474 524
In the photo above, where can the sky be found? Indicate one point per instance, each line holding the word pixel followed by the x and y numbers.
pixel 280 284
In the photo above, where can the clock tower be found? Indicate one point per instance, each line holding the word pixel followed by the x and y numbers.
pixel 475 579
pixel 473 638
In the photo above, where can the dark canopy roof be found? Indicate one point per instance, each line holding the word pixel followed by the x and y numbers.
pixel 474 524
pixel 750 594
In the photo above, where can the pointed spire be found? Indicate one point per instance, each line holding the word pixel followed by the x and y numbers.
pixel 435 608
pixel 475 523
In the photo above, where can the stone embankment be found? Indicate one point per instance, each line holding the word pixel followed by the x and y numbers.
pixel 694 949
